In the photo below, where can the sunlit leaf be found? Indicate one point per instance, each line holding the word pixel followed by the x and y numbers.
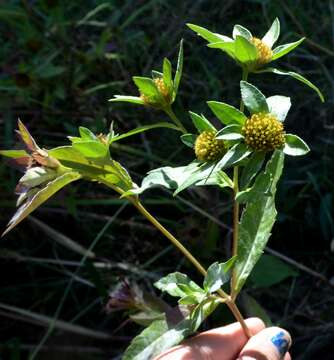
pixel 285 49
pixel 240 30
pixel 201 123
pixel 295 146
pixel 230 132
pixel 208 35
pixel 179 69
pixel 217 275
pixel 279 106
pixel 227 114
pixel 245 52
pixel 130 99
pixel 253 98
pixel 272 34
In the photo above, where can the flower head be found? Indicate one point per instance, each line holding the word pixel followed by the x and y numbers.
pixel 208 148
pixel 263 132
pixel 264 52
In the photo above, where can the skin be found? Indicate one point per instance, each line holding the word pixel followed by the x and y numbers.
pixel 230 343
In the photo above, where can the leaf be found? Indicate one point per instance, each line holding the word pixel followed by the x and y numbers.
pixel 201 312
pixel 239 30
pixel 237 153
pixel 255 225
pixel 270 271
pixel 252 167
pixel 245 52
pixel 146 86
pixel 91 149
pixel 141 129
pixel 201 123
pixel 295 76
pixel 285 49
pixel 189 139
pixel 14 154
pixel 230 132
pixel 178 284
pixel 36 176
pixel 272 34
pixel 227 114
pixel 217 275
pixel 179 69
pixel 253 98
pixel 208 35
pixel 167 73
pixel 260 189
pixel 279 106
pixel 295 146
pixel 217 177
pixel 130 99
pixel 50 189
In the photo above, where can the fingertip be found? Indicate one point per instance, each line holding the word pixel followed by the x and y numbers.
pixel 255 325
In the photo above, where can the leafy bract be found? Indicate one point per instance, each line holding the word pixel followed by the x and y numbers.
pixel 279 106
pixel 235 154
pixel 295 146
pixel 239 30
pixel 253 98
pixel 272 34
pixel 245 52
pixel 227 114
pixel 285 49
pixel 201 123
pixel 179 69
pixel 130 99
pixel 208 35
pixel 230 132
pixel 256 224
pixel 251 168
pixel 40 197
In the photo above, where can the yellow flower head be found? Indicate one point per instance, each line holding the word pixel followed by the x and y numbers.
pixel 208 148
pixel 265 54
pixel 263 132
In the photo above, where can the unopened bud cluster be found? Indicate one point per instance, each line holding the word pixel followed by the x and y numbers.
pixel 163 90
pixel 263 132
pixel 160 84
pixel 265 54
pixel 208 148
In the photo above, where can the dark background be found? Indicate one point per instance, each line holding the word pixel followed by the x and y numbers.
pixel 60 63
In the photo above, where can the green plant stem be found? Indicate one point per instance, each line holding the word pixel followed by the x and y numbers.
pixel 236 207
pixel 225 297
pixel 169 111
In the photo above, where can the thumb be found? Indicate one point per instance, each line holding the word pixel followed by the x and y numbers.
pixel 269 344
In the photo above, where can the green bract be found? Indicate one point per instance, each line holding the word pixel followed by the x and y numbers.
pixel 251 53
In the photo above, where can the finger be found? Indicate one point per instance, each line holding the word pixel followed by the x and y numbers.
pixel 223 343
pixel 269 344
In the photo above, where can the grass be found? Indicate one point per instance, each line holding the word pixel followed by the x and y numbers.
pixel 60 63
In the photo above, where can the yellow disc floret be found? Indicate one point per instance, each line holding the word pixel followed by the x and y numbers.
pixel 208 148
pixel 265 54
pixel 263 132
pixel 160 84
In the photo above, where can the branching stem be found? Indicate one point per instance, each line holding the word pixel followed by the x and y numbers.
pixel 169 111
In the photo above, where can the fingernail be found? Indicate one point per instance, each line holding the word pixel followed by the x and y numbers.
pixel 282 343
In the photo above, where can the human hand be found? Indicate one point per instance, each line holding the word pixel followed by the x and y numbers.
pixel 230 343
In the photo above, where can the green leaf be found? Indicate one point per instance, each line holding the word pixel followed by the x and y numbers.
pixel 37 175
pixel 179 69
pixel 189 139
pixel 208 35
pixel 297 77
pixel 295 146
pixel 270 271
pixel 273 33
pixel 142 129
pixel 285 49
pixel 26 137
pixel 260 189
pixel 91 149
pixel 146 86
pixel 256 223
pixel 217 177
pixel 279 106
pixel 86 134
pixel 130 99
pixel 253 98
pixel 230 132
pixel 227 114
pixel 201 123
pixel 252 167
pixel 217 275
pixel 245 52
pixel 237 153
pixel 178 284
pixel 239 30
pixel 201 312
pixel 40 197
pixel 14 154
pixel 167 73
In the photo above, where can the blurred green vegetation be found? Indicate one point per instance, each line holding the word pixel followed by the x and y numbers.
pixel 60 63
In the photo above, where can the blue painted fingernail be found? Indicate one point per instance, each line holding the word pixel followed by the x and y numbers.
pixel 281 343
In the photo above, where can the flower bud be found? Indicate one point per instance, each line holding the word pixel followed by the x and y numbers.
pixel 208 148
pixel 263 132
